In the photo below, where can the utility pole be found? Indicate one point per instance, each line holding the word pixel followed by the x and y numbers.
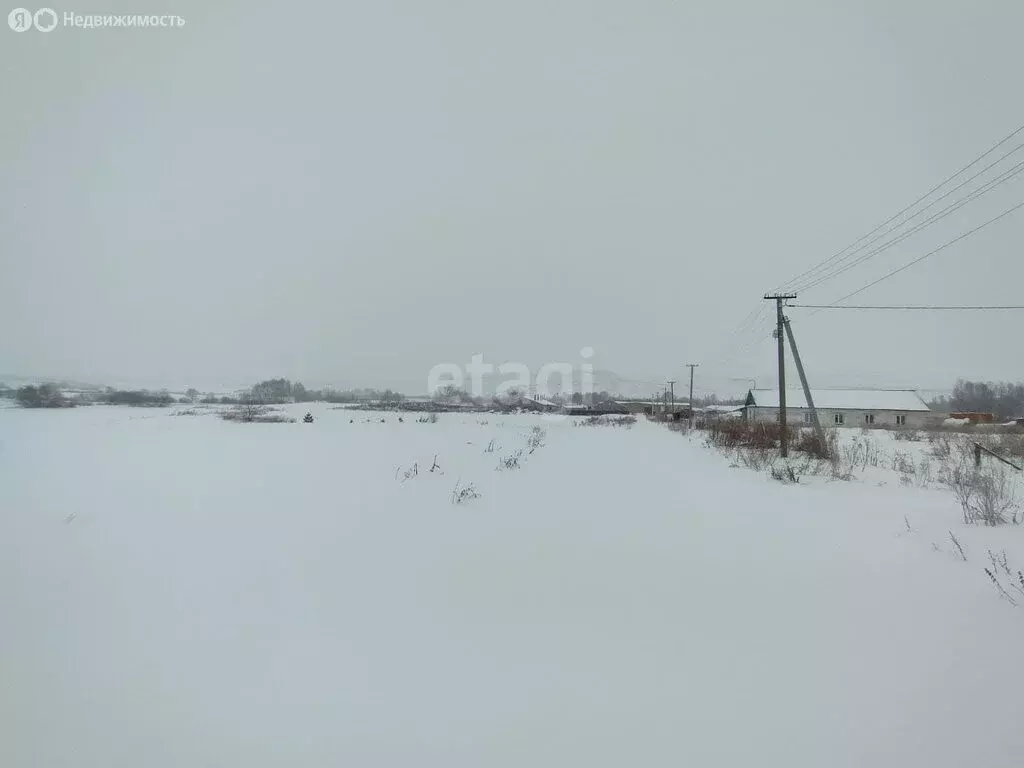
pixel 672 394
pixel 691 366
pixel 780 334
pixel 807 389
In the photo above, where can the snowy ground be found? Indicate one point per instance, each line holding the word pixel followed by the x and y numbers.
pixel 182 591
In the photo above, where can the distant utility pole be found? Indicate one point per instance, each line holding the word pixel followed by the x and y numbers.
pixel 780 334
pixel 691 366
pixel 672 394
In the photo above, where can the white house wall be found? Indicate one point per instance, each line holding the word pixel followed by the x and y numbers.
pixel 851 417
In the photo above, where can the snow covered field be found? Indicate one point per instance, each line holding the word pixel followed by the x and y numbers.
pixel 183 591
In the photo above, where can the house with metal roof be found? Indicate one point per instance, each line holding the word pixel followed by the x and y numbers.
pixel 893 408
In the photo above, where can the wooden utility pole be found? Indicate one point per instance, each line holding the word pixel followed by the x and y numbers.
pixel 691 366
pixel 807 389
pixel 780 334
pixel 672 394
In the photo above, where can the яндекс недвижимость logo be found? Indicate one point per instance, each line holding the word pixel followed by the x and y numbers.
pixel 22 19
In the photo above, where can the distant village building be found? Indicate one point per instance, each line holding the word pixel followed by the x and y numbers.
pixel 893 408
pixel 538 404
pixel 609 408
pixel 638 406
pixel 717 412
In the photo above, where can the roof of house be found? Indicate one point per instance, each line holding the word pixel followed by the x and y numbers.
pixel 658 401
pixel 539 401
pixel 839 399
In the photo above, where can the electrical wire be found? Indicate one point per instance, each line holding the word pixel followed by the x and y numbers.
pixel 931 253
pixel 934 307
pixel 1004 177
pixel 937 217
pixel 888 221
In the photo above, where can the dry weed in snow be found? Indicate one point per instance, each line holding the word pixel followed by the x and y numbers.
pixel 464 493
pixel 511 461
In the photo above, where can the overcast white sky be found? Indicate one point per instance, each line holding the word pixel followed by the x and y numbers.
pixel 352 192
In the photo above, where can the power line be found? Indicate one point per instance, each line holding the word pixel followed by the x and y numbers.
pixel 923 197
pixel 919 259
pixel 935 307
pixel 1003 177
pixel 739 335
pixel 949 209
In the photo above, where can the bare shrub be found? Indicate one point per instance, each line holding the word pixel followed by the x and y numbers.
pixel 942 446
pixel 986 494
pixel 463 493
pixel 906 435
pixel 808 442
pixel 1000 562
pixel 758 459
pixel 43 396
pixel 808 465
pixel 924 472
pixel 860 453
pixel 535 439
pixel 902 463
pixel 959 548
pixel 756 434
pixel 784 474
pixel 994 578
pixel 490 447
pixel 510 462
pixel 251 407
pixel 1011 444
pixel 263 418
pixel 611 421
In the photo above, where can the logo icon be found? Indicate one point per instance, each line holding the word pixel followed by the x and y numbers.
pixel 20 19
pixel 45 19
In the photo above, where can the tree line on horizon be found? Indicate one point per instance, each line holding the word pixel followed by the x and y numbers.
pixel 1003 399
